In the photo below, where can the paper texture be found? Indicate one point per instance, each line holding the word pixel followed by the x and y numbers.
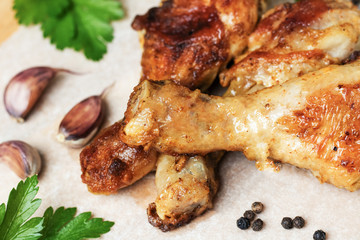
pixel 291 192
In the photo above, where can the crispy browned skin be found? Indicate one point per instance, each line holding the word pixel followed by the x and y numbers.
pixel 294 39
pixel 190 41
pixel 108 164
pixel 311 122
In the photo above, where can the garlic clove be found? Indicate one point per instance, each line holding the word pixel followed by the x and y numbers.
pixel 82 122
pixel 25 88
pixel 22 158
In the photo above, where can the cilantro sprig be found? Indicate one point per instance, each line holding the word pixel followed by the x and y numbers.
pixel 83 25
pixel 59 225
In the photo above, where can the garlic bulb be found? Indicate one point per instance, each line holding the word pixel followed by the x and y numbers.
pixel 22 158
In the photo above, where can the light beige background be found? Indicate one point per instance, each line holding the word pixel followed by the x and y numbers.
pixel 290 192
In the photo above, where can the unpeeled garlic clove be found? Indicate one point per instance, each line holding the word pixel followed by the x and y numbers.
pixel 82 122
pixel 22 158
pixel 25 88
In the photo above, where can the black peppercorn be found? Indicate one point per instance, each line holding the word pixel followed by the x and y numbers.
pixel 319 235
pixel 287 223
pixel 257 207
pixel 249 215
pixel 257 225
pixel 299 222
pixel 243 223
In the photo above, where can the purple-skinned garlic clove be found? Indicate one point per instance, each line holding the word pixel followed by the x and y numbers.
pixel 82 122
pixel 22 158
pixel 25 88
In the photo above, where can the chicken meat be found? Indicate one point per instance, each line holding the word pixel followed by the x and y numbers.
pixel 108 164
pixel 311 122
pixel 190 41
pixel 294 39
pixel 186 188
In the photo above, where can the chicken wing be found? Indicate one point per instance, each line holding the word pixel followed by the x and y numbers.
pixel 294 39
pixel 311 122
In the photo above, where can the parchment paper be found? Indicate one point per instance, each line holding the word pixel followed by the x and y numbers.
pixel 290 192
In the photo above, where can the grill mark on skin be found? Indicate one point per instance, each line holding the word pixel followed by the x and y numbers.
pixel 178 39
pixel 330 118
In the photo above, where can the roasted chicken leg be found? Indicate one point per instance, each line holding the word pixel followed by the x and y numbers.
pixel 294 39
pixel 186 188
pixel 108 164
pixel 190 41
pixel 311 122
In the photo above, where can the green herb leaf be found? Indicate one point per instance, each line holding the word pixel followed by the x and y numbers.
pixel 31 229
pixel 62 225
pixel 92 22
pixel 55 221
pixel 20 206
pixel 83 25
pixel 2 213
pixel 35 11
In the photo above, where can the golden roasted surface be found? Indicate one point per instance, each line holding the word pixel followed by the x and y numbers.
pixel 294 39
pixel 190 41
pixel 299 122
pixel 168 117
pixel 108 164
pixel 331 122
pixel 186 187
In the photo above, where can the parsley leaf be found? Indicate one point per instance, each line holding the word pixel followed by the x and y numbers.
pixel 55 221
pixel 20 206
pixel 36 11
pixel 78 24
pixel 2 213
pixel 61 225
